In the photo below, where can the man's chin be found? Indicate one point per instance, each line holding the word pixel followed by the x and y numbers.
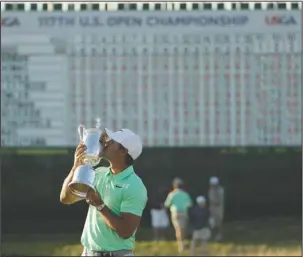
pixel 104 156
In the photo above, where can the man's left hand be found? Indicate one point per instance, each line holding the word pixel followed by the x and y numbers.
pixel 93 198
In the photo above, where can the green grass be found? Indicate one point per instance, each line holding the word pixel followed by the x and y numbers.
pixel 33 151
pixel 275 237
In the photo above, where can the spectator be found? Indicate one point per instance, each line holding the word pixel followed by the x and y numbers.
pixel 159 217
pixel 201 223
pixel 216 206
pixel 179 201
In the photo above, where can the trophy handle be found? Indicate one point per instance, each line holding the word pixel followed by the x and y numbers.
pixel 81 130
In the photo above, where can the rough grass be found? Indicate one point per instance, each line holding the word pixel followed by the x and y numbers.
pixel 275 237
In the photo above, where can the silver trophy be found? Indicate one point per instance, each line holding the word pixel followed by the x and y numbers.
pixel 84 175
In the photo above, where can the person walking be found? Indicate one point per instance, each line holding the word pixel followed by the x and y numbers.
pixel 179 202
pixel 116 207
pixel 201 222
pixel 216 206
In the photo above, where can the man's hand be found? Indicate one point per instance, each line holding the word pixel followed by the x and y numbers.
pixel 79 155
pixel 93 198
pixel 124 224
pixel 103 138
pixel 66 197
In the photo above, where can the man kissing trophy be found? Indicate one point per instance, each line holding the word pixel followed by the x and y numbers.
pixel 84 175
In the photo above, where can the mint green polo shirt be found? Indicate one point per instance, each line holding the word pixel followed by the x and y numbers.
pixel 178 201
pixel 124 192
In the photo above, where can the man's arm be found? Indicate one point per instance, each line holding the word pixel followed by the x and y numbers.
pixel 125 224
pixel 222 196
pixel 66 197
pixel 211 220
pixel 132 207
pixel 168 200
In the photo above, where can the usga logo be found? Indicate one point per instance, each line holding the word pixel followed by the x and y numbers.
pixel 9 22
pixel 280 20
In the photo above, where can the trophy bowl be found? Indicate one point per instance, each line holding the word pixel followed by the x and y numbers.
pixel 84 175
pixel 91 138
pixel 83 180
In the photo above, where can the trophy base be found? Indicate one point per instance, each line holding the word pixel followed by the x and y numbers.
pixel 79 189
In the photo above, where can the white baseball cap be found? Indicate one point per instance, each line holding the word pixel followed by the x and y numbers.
pixel 201 199
pixel 214 181
pixel 177 181
pixel 128 139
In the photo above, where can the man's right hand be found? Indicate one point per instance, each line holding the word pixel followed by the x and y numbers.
pixel 79 155
pixel 66 197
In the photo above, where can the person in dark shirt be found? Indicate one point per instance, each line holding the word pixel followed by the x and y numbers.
pixel 200 221
pixel 159 217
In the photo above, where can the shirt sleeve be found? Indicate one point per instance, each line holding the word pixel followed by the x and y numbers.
pixel 134 200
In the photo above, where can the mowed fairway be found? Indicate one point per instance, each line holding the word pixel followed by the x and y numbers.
pixel 270 237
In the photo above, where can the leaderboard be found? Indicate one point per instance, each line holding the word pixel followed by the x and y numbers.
pixel 178 86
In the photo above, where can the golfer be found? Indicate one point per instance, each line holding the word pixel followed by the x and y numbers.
pixel 179 202
pixel 116 207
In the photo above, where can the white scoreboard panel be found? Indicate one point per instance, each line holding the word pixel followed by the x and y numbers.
pixel 176 78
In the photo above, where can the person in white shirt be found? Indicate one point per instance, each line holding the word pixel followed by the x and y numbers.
pixel 159 216
pixel 216 206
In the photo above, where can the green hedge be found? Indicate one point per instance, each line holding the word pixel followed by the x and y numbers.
pixel 258 181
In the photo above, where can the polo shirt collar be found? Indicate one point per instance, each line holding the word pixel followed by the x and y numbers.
pixel 122 175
